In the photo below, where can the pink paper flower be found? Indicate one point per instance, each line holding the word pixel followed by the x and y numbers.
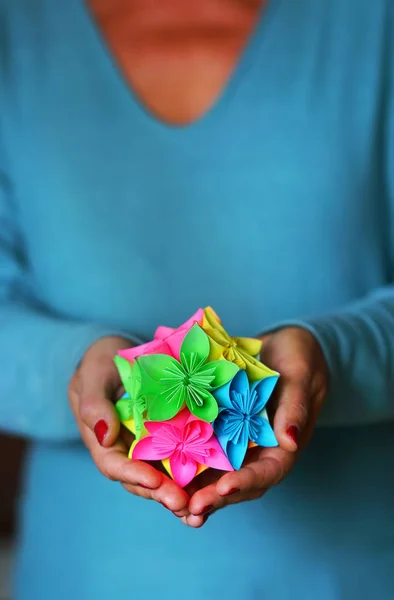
pixel 173 338
pixel 166 340
pixel 187 442
pixel 153 347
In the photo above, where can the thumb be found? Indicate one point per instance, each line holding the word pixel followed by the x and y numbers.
pixel 99 386
pixel 292 414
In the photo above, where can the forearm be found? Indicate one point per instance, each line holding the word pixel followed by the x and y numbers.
pixel 39 354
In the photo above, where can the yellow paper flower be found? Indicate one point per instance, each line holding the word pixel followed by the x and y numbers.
pixel 239 350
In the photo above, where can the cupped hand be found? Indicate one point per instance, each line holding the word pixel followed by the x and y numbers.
pixel 296 355
pixel 93 390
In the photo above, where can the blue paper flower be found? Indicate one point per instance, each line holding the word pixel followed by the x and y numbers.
pixel 242 416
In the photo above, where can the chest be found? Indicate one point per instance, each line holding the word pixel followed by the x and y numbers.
pixel 273 194
pixel 176 55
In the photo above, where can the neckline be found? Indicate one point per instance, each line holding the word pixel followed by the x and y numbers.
pixel 118 78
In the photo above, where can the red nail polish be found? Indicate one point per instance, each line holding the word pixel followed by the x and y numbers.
pixel 100 429
pixel 232 491
pixel 146 487
pixel 292 432
pixel 207 510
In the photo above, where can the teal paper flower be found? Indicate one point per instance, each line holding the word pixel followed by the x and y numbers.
pixel 242 416
pixel 169 384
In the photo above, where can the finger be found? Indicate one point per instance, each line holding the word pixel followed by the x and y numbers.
pixel 98 384
pixel 174 500
pixel 207 501
pixel 203 480
pixel 241 487
pixel 270 467
pixel 262 470
pixel 291 416
pixel 172 497
pixel 196 521
pixel 114 463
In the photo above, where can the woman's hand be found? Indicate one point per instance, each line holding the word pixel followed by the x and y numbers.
pixel 93 390
pixel 298 398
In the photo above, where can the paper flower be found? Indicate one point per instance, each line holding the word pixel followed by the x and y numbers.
pixel 242 416
pixel 240 350
pixel 153 347
pixel 187 442
pixel 174 337
pixel 133 405
pixel 169 383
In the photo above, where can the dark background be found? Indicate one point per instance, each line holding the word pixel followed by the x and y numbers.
pixel 11 460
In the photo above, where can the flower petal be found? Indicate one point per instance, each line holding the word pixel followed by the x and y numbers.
pixel 240 383
pixel 166 405
pixel 174 337
pixel 144 450
pixel 162 332
pixel 222 395
pixel 249 345
pixel 196 342
pixel 153 426
pixel 179 421
pixel 140 430
pixel 182 471
pixel 124 369
pixel 254 368
pixel 124 408
pixel 265 436
pixel 217 459
pixel 263 389
pixel 236 452
pixel 223 372
pixel 208 411
pixel 155 366
pixel 130 375
pixel 220 423
pixel 153 347
pixel 197 432
pixel 175 341
pixel 212 320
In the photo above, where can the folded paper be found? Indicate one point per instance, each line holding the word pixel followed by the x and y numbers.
pixel 133 405
pixel 195 397
pixel 170 384
pixel 240 350
pixel 186 442
pixel 153 347
pixel 242 416
pixel 174 337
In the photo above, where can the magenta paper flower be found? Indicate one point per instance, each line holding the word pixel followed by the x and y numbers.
pixel 187 442
pixel 174 337
pixel 166 340
pixel 153 347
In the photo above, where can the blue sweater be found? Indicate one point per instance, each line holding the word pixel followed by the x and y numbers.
pixel 276 207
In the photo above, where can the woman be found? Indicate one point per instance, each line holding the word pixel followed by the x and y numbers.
pixel 161 156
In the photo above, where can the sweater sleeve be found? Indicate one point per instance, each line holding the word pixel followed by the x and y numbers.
pixel 358 340
pixel 39 351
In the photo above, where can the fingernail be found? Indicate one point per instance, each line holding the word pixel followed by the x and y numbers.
pixel 206 510
pixel 231 492
pixel 292 432
pixel 146 487
pixel 100 429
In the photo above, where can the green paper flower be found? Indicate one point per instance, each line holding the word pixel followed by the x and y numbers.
pixel 169 384
pixel 133 405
